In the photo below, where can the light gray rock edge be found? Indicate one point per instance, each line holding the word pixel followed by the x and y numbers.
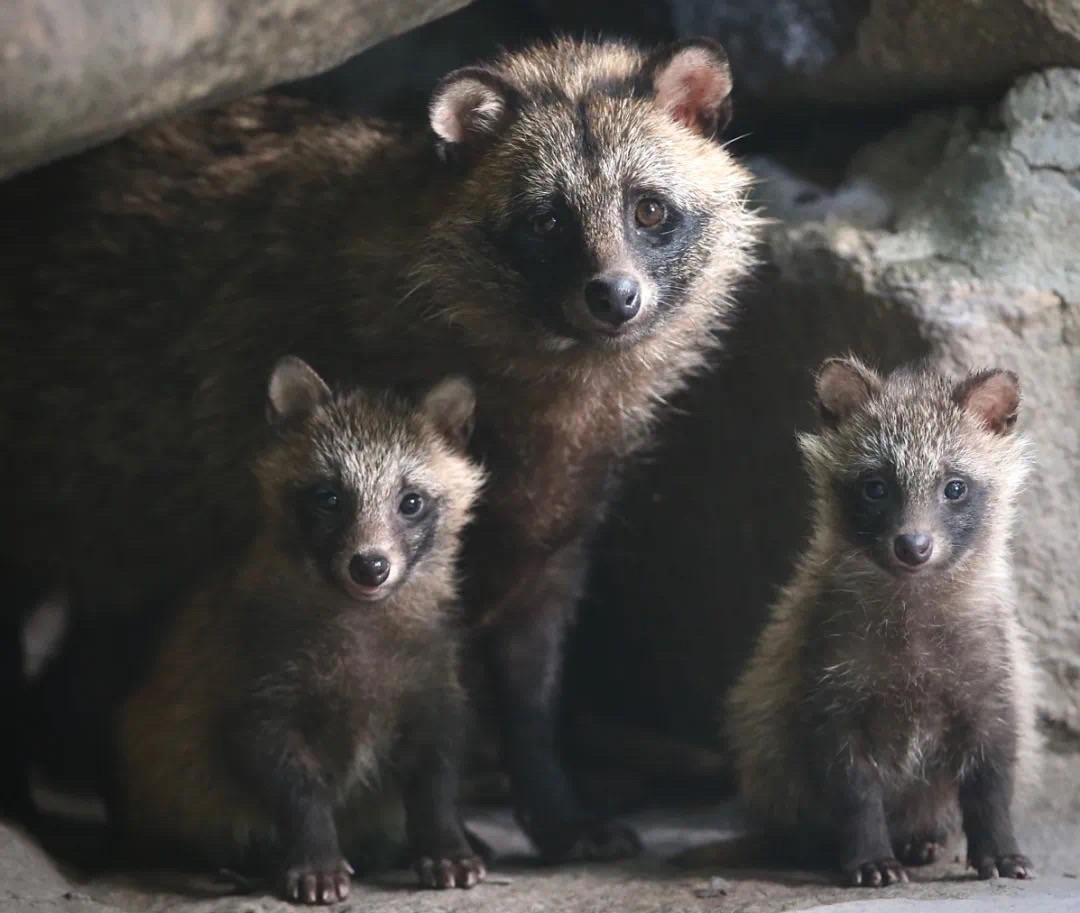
pixel 78 72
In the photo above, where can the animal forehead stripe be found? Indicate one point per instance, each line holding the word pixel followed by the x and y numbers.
pixel 372 449
pixel 572 68
pixel 569 149
pixel 918 436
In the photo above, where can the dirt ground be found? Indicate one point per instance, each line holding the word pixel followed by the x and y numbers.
pixel 32 881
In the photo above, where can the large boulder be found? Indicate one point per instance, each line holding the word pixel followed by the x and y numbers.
pixel 77 73
pixel 954 237
pixel 857 52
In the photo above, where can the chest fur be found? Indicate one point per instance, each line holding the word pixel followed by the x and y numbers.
pixel 554 452
pixel 344 687
pixel 913 695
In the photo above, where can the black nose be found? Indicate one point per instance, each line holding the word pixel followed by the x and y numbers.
pixel 614 298
pixel 913 548
pixel 370 569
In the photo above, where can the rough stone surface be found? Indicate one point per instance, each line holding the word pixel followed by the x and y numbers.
pixel 841 52
pixel 77 73
pixel 31 881
pixel 954 237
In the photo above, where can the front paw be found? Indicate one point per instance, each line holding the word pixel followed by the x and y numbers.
pixel 922 851
pixel 585 840
pixel 1014 865
pixel 450 870
pixel 876 873
pixel 322 882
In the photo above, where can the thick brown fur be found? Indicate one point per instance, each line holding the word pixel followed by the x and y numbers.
pixel 279 697
pixel 878 698
pixel 148 285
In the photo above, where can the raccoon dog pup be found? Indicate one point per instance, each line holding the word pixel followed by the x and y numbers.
pixel 892 687
pixel 325 662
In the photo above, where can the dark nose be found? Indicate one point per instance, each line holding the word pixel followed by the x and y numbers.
pixel 614 298
pixel 370 569
pixel 913 548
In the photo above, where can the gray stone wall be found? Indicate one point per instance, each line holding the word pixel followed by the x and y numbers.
pixel 78 72
pixel 854 53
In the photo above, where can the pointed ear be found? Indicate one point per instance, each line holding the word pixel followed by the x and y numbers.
pixel 992 396
pixel 295 390
pixel 469 106
pixel 692 83
pixel 451 406
pixel 843 385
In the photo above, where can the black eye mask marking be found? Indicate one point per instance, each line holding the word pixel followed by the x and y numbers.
pixel 868 519
pixel 552 264
pixel 664 252
pixel 324 533
pixel 961 519
pixel 319 529
pixel 555 264
pixel 420 532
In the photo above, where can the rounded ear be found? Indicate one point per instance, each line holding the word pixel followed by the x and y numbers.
pixel 692 83
pixel 470 105
pixel 294 391
pixel 844 385
pixel 451 407
pixel 992 396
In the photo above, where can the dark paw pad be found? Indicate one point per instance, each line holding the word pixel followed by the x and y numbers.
pixel 879 873
pixel 315 883
pixel 460 870
pixel 1014 866
pixel 922 852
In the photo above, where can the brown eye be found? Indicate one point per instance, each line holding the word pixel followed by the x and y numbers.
pixel 649 213
pixel 545 224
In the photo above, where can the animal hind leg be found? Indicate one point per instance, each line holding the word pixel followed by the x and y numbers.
pixel 525 655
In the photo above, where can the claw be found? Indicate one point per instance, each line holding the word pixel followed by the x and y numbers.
pixel 1012 866
pixel 321 883
pixel 342 886
pixel 876 874
pixel 459 871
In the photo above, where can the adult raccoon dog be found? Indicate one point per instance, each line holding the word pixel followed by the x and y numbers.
pixel 568 241
pixel 322 667
pixel 892 684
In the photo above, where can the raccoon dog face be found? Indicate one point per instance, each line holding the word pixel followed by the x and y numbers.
pixel 917 470
pixel 598 202
pixel 366 491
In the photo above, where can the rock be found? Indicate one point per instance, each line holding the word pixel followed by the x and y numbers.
pixel 30 880
pixel 840 52
pixel 78 73
pixel 968 255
